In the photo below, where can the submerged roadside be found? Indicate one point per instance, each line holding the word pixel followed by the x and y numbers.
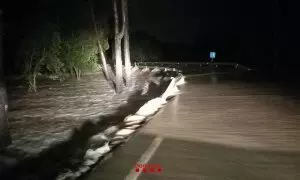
pixel 85 138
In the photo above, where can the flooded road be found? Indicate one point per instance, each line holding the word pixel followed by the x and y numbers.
pixel 221 127
pixel 225 110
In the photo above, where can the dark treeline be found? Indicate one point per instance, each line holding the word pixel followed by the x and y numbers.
pixel 54 37
pixel 37 22
pixel 34 23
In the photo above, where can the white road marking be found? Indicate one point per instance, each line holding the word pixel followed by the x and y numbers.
pixel 133 175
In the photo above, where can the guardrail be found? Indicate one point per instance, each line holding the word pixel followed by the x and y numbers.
pixel 179 65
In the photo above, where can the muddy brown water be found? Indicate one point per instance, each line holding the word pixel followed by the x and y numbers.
pixel 54 125
pixel 239 110
pixel 40 119
pixel 234 127
pixel 233 110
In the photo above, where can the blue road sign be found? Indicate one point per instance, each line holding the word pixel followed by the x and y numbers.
pixel 212 55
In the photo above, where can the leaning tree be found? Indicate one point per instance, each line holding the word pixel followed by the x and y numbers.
pixel 105 67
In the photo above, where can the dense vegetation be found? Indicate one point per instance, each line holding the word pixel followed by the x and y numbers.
pixel 54 38
pixel 58 39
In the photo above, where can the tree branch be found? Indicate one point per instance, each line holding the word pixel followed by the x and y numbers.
pixel 116 17
pixel 121 34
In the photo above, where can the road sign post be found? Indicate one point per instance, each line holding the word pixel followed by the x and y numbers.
pixel 212 56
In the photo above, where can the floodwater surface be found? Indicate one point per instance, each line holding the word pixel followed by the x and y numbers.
pixel 221 127
pixel 226 109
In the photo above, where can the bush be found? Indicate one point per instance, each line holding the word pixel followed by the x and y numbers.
pixel 53 62
pixel 33 67
pixel 80 54
pixel 54 55
pixel 35 53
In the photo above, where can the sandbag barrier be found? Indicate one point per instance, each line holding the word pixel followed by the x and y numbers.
pixel 117 134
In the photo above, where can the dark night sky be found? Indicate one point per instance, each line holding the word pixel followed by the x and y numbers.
pixel 225 24
pixel 191 20
pixel 232 26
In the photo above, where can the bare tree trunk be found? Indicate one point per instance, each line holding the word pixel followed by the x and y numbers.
pixel 34 82
pixel 126 46
pixel 100 48
pixel 117 46
pixel 78 73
